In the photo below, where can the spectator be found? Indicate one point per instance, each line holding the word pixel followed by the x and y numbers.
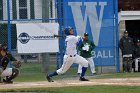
pixel 126 45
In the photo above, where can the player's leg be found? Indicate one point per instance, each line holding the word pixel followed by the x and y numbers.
pixel 79 69
pixel 0 74
pixel 136 64
pixel 0 80
pixel 84 63
pixel 125 64
pixel 10 74
pixel 91 64
pixel 15 73
pixel 66 65
pixel 68 61
pixel 130 64
pixel 6 72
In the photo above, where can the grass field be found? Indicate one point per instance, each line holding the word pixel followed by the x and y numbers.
pixel 33 72
pixel 82 89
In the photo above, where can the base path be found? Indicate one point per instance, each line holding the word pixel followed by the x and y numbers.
pixel 64 83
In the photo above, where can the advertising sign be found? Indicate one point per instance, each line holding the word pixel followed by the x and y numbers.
pixel 37 37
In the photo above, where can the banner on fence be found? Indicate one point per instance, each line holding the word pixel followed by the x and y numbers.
pixel 95 17
pixel 37 37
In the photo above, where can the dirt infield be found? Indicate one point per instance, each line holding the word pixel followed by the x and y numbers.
pixel 63 83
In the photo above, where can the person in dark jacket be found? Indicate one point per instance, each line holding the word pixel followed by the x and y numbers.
pixel 137 54
pixel 126 45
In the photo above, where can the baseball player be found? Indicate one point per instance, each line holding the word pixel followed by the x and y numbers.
pixel 70 56
pixel 6 72
pixel 85 49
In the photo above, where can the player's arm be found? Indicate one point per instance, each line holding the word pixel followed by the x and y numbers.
pixel 92 46
pixel 79 40
pixel 16 63
pixel 121 44
pixel 80 47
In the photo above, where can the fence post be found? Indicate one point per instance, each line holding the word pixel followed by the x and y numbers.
pixel 57 62
pixel 45 62
pixel 60 31
pixel 117 38
pixel 9 28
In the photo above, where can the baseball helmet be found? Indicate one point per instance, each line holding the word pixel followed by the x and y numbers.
pixel 67 30
pixel 85 34
pixel 125 31
pixel 4 47
pixel 138 41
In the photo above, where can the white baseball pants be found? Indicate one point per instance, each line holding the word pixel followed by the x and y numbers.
pixel 6 72
pixel 91 64
pixel 137 60
pixel 68 61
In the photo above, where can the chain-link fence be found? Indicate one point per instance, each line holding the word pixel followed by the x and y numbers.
pixel 13 12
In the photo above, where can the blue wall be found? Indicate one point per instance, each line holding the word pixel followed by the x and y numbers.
pixel 97 18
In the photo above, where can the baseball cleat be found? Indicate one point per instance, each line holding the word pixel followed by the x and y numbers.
pixel 94 74
pixel 83 79
pixel 7 82
pixel 49 79
pixel 78 74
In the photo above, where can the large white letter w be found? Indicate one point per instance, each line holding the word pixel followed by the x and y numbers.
pixel 91 13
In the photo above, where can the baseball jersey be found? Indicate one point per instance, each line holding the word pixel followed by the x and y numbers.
pixel 5 60
pixel 84 53
pixel 71 45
